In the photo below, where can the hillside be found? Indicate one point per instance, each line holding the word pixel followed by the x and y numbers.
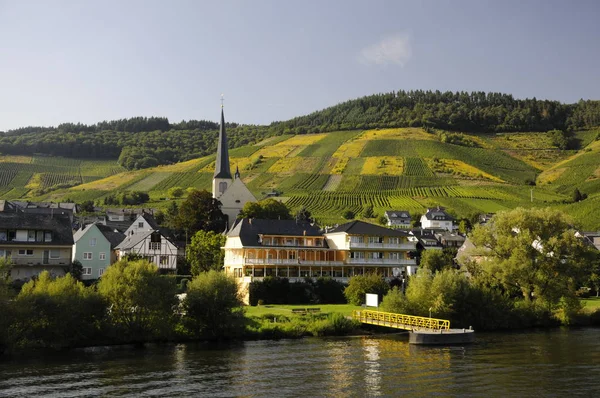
pixel 400 168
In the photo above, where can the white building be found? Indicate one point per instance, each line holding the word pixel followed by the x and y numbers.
pixel 437 219
pixel 230 191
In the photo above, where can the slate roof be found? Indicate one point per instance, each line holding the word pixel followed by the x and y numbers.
pixel 397 214
pixel 364 228
pixel 133 239
pixel 438 214
pixel 248 230
pixel 114 238
pixel 222 163
pixel 59 224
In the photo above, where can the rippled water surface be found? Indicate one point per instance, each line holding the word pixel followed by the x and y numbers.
pixel 534 363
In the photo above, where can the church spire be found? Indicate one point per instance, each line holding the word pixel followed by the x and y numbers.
pixel 237 172
pixel 222 164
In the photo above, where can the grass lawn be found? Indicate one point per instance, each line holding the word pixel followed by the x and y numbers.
pixel 259 310
pixel 591 303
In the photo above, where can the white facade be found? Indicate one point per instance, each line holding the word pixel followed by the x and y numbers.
pixel 153 247
pixel 436 224
pixel 234 198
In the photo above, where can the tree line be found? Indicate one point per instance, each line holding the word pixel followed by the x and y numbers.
pixel 141 142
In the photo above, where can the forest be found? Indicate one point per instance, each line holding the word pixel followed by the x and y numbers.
pixel 142 142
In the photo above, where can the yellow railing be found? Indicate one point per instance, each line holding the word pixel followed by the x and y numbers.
pixel 399 321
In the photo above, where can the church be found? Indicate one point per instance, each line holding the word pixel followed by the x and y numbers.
pixel 227 189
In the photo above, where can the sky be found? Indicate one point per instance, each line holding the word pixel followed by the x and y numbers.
pixel 87 61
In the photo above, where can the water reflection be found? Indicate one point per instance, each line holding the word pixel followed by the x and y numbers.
pixel 558 363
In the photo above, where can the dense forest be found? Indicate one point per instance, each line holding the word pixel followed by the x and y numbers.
pixel 454 111
pixel 141 142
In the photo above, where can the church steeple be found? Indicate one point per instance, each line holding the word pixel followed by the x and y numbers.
pixel 222 164
pixel 237 172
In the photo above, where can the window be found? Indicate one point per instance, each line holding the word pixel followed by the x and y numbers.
pixel 100 272
pixel 102 256
pixel 291 255
pixel 154 245
pixel 87 256
pixel 289 242
pixel 12 235
pixel 31 236
pixel 24 252
pixel 141 224
pixel 93 242
pixel 375 239
pixel 394 240
pixel 357 255
pixel 86 271
pixel 39 236
pixel 54 254
pixel 164 260
pixel 222 187
pixel 47 236
pixel 357 239
pixel 375 255
pixel 237 272
pixel 3 235
pixel 2 254
pixel 394 256
pixel 267 241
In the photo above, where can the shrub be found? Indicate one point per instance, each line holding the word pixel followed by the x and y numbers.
pixel 141 301
pixel 359 285
pixel 56 313
pixel 348 214
pixel 213 306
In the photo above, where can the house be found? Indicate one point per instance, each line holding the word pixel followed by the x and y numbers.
pixel 450 239
pixel 286 248
pixel 485 218
pixel 50 208
pixel 397 218
pixel 425 239
pixel 145 238
pixel 94 247
pixel 230 191
pixel 437 218
pixel 35 242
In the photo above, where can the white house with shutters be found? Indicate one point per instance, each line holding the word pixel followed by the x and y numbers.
pixel 145 238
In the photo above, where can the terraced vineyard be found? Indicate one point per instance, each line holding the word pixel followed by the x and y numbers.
pixel 389 169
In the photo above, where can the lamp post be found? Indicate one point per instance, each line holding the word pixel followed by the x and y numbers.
pixel 430 317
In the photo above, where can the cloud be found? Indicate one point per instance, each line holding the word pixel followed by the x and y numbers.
pixel 394 50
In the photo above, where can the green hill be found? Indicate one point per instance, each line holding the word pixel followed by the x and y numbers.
pixel 470 152
pixel 329 173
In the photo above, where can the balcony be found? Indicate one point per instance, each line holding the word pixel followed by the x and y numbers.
pixel 273 261
pixel 393 246
pixel 39 261
pixel 382 261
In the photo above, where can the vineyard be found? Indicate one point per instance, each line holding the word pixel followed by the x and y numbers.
pixel 388 169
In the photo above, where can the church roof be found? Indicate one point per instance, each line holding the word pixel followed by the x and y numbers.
pixel 222 164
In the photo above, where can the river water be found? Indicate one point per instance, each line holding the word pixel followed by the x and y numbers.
pixel 557 362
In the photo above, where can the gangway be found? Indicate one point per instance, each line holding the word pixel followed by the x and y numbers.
pixel 400 321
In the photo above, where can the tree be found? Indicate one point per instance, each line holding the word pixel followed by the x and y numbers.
pixel 368 212
pixel 359 285
pixel 199 211
pixel 213 306
pixel 434 261
pixel 176 192
pixel 303 216
pixel 269 209
pixel 204 252
pixel 578 196
pixel 348 214
pixel 87 206
pixel 76 270
pixel 141 301
pixel 57 312
pixel 534 252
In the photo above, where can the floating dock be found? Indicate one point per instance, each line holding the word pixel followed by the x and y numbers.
pixel 422 330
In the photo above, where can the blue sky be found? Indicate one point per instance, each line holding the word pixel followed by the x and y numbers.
pixel 86 61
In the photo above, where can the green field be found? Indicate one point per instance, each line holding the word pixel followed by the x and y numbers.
pixel 492 177
pixel 261 310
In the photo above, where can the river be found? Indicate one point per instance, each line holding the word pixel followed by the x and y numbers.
pixel 557 362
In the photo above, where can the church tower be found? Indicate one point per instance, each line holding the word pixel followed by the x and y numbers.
pixel 222 178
